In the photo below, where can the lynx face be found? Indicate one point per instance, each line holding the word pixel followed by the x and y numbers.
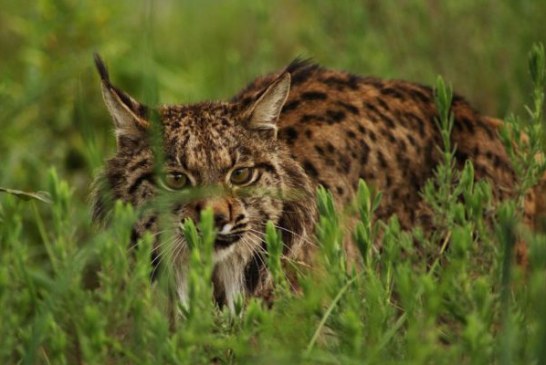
pixel 227 157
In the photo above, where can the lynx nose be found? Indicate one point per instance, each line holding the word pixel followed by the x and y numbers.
pixel 221 210
pixel 220 220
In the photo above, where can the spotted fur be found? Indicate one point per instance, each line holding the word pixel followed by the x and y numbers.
pixel 300 127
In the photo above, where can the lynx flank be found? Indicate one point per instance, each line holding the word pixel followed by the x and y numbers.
pixel 271 145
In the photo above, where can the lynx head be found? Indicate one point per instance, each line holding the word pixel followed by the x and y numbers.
pixel 227 152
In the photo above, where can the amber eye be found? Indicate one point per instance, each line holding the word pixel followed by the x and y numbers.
pixel 175 180
pixel 241 176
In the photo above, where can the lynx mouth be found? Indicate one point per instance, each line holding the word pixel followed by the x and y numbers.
pixel 226 240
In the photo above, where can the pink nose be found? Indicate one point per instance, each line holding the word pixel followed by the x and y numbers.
pixel 221 210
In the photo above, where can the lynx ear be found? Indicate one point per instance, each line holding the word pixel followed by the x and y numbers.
pixel 264 113
pixel 128 114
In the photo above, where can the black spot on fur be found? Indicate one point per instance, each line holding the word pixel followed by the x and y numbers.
pixel 367 175
pixel 461 156
pixel 420 96
pixel 388 120
pixel 319 150
pixel 370 107
pixel 289 134
pixel 335 82
pixel 388 180
pixel 410 119
pixel 383 104
pixel 395 93
pixel 402 161
pixel 497 162
pixel 290 106
pixel 467 124
pixel 458 99
pixel 324 184
pixel 335 116
pixel 415 181
pixel 379 116
pixel 365 152
pixel 429 155
pixel 313 95
pixel 310 168
pixel 349 107
pixel 353 81
pixel 388 135
pixel 311 118
pixel 362 129
pixel 344 164
pixel 372 81
pixel 381 159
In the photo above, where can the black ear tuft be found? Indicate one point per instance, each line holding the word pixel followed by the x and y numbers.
pixel 101 68
pixel 128 114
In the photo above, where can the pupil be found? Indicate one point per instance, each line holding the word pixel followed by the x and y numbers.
pixel 177 179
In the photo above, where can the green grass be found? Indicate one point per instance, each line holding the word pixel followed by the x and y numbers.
pixel 72 294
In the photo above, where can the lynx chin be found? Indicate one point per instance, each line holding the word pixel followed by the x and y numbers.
pixel 262 154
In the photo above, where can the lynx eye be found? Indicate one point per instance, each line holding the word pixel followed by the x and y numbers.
pixel 175 180
pixel 241 176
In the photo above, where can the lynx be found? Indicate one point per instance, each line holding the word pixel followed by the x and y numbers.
pixel 267 149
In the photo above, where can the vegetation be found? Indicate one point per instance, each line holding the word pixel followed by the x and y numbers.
pixel 71 294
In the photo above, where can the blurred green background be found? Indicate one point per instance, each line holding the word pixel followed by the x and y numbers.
pixel 51 112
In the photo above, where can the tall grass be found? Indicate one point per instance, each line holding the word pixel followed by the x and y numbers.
pixel 70 294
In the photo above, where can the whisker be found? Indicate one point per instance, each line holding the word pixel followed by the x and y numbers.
pixel 164 243
pixel 266 253
pixel 164 253
pixel 174 247
pixel 283 258
pixel 298 235
pixel 255 249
